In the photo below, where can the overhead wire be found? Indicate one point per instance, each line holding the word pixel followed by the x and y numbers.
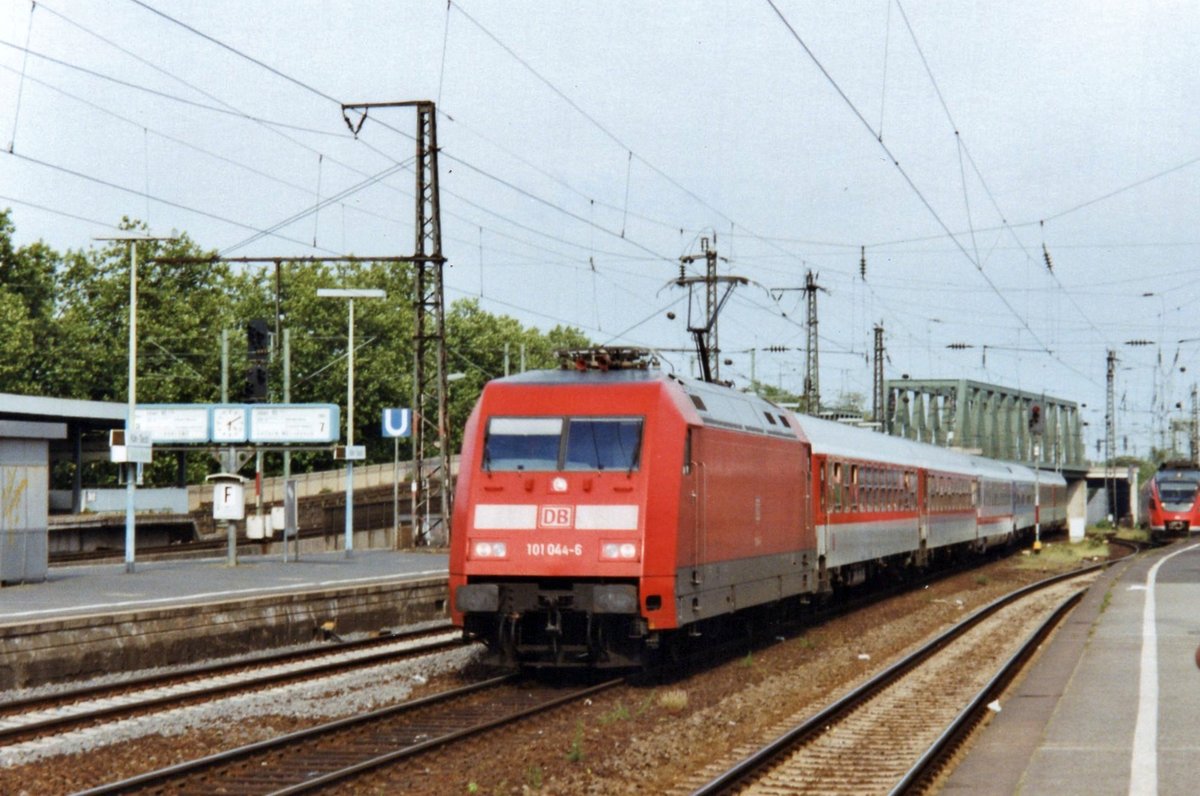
pixel 12 141
pixel 596 123
pixel 963 149
pixel 162 200
pixel 900 169
pixel 230 110
pixel 308 87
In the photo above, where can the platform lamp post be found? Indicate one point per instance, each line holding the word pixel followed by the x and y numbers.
pixel 350 294
pixel 131 467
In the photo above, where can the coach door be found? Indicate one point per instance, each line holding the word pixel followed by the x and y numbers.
pixel 692 526
pixel 921 483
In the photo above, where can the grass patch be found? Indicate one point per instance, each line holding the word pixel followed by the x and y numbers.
pixel 1065 555
pixel 673 701
pixel 575 752
pixel 1133 534
pixel 619 713
pixel 533 778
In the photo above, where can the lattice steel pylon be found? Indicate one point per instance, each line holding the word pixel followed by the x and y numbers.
pixel 879 392
pixel 432 478
pixel 812 365
pixel 433 482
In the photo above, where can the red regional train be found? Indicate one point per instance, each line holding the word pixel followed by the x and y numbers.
pixel 607 511
pixel 1169 500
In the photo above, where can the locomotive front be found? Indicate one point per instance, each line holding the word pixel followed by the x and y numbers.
pixel 551 560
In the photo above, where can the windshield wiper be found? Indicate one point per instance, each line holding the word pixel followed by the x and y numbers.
pixel 633 460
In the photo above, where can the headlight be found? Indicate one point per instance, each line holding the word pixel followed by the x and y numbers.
pixel 618 551
pixel 491 550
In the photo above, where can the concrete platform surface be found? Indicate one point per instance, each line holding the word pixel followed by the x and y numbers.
pixel 1112 706
pixel 108 588
pixel 89 621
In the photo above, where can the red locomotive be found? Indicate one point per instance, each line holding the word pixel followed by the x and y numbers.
pixel 1169 500
pixel 606 510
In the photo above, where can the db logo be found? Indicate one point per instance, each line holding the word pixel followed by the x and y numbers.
pixel 556 516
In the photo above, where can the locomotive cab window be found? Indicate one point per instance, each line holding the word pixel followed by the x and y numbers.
pixel 603 444
pixel 523 443
pixel 555 443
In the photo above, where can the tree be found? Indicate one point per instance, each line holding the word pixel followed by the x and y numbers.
pixel 66 319
pixel 27 294
pixel 17 351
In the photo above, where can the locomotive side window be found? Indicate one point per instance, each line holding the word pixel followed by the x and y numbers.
pixel 603 444
pixel 522 443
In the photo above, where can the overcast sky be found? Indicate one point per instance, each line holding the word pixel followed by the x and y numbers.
pixel 587 146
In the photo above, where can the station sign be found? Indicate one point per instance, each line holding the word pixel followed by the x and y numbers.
pixel 229 497
pixel 397 423
pixel 130 447
pixel 350 453
pixel 293 423
pixel 238 423
pixel 180 423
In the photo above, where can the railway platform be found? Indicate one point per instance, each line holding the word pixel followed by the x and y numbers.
pixel 85 621
pixel 1112 706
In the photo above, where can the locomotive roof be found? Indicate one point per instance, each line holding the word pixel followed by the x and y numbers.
pixel 725 407
pixel 716 404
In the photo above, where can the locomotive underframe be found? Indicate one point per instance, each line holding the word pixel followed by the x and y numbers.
pixel 558 623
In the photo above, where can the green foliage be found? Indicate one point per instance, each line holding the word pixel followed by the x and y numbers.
pixel 533 777
pixel 775 394
pixel 618 713
pixel 575 752
pixel 66 319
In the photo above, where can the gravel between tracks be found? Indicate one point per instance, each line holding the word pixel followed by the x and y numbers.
pixel 635 740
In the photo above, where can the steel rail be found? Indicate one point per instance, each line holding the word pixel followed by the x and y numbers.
pixel 161 777
pixel 751 764
pixel 153 682
pixel 391 757
pixel 966 720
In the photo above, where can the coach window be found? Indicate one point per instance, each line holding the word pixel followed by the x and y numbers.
pixel 836 483
pixel 853 496
pixel 687 453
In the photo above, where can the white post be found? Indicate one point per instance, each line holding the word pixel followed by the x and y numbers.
pixel 350 295
pixel 131 468
pixel 1037 499
pixel 350 440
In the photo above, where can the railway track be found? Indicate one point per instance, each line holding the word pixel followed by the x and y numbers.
pixel 62 711
pixel 894 732
pixel 331 753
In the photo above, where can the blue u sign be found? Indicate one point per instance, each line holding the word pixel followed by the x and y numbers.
pixel 397 422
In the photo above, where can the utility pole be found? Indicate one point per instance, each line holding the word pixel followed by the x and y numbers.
pixel 1110 432
pixel 879 406
pixel 812 368
pixel 1194 437
pixel 707 340
pixel 433 481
